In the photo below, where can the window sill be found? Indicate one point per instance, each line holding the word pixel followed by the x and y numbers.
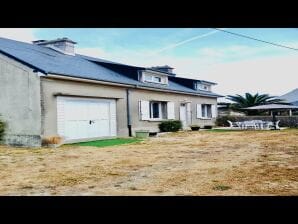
pixel 205 118
pixel 160 83
pixel 158 120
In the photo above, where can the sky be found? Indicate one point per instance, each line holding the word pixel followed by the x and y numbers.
pixel 237 64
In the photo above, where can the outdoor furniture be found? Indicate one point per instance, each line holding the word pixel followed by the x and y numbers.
pixel 249 124
pixel 255 124
pixel 271 125
pixel 259 124
pixel 232 124
pixel 273 108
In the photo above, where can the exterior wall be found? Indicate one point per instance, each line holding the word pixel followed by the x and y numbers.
pixel 138 95
pixel 51 87
pixel 20 103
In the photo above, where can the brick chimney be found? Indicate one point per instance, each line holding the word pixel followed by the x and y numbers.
pixel 63 45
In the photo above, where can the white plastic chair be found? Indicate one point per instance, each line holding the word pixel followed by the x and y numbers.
pixel 230 123
pixel 272 125
pixel 250 124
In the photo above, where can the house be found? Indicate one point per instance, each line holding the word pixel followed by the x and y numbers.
pixel 47 89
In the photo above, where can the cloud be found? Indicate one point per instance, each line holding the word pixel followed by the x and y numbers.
pixel 20 34
pixel 273 75
pixel 184 42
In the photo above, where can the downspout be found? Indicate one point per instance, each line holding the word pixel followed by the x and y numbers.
pixel 128 112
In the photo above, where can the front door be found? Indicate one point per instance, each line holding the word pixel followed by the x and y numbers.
pixel 183 115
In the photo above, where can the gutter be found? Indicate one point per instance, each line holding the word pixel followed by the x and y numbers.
pixel 128 111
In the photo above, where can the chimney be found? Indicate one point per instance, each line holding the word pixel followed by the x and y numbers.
pixel 164 68
pixel 63 45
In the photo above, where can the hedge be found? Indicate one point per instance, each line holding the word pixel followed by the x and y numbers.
pixel 170 126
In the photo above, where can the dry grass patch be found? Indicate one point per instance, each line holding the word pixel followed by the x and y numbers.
pixel 182 163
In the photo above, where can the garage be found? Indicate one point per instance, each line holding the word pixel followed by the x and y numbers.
pixel 86 118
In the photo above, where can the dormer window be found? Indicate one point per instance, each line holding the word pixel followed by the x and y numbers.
pixel 202 86
pixel 154 77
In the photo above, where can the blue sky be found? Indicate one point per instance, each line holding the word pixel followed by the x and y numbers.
pixel 237 64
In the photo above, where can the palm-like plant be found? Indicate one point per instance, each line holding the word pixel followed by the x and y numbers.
pixel 250 100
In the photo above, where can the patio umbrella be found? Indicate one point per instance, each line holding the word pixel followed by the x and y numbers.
pixel 273 108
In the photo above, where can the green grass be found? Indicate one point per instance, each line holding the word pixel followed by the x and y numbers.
pixel 108 142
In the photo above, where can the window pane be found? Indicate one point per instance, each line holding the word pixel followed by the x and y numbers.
pixel 156 79
pixel 208 110
pixel 164 110
pixel 148 77
pixel 155 110
pixel 203 110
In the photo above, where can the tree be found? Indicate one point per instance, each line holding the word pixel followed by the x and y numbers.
pixel 250 100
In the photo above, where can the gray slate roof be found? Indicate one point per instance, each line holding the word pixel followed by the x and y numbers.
pixel 291 97
pixel 50 61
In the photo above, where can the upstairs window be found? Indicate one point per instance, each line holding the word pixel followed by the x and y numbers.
pixel 154 78
pixel 200 86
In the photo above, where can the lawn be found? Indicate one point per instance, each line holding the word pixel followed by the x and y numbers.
pixel 108 142
pixel 182 163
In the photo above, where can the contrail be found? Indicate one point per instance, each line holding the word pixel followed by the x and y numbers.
pixel 185 41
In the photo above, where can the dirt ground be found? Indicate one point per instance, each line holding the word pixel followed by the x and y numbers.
pixel 184 163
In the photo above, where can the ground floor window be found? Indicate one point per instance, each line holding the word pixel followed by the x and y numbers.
pixel 206 111
pixel 158 110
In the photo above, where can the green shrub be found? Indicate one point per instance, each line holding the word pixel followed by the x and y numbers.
pixel 2 130
pixel 170 126
pixel 223 120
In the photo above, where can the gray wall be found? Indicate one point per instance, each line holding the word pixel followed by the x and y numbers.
pixel 50 87
pixel 20 103
pixel 138 95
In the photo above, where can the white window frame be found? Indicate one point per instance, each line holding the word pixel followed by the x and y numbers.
pixel 204 108
pixel 151 110
pixel 159 110
pixel 152 76
pixel 204 87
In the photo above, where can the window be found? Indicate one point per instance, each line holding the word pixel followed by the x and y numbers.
pixel 156 79
pixel 158 110
pixel 206 111
pixel 200 86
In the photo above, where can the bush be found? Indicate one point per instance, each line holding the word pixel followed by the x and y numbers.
pixel 223 120
pixel 170 126
pixel 2 130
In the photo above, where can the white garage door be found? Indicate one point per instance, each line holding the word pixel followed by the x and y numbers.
pixel 80 118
